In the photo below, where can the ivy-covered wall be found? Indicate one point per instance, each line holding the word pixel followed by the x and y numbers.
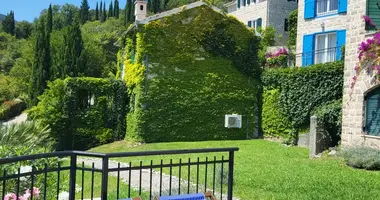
pixel 201 66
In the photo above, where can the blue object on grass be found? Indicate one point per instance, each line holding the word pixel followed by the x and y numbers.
pixel 199 196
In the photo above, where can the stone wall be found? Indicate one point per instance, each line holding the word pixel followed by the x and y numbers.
pixel 353 99
pixel 252 12
pixel 277 13
pixel 315 25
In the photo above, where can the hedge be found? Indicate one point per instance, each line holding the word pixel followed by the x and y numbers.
pixel 274 123
pixel 83 112
pixel 11 109
pixel 303 90
pixel 202 65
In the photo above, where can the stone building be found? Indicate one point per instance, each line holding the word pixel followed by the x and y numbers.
pixel 321 31
pixel 361 118
pixel 263 13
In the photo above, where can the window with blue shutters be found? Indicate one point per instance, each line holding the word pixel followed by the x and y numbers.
pixel 372 112
pixel 319 8
pixel 309 11
pixel 259 22
pixel 341 41
pixel 307 50
pixel 342 7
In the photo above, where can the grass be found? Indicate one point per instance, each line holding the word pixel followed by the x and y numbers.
pixel 268 170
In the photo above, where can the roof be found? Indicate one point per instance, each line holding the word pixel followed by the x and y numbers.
pixel 175 11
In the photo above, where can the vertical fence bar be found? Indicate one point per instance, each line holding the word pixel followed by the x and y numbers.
pixel 45 180
pixel 140 179
pixel 92 180
pixel 18 183
pixel 32 185
pixel 82 192
pixel 4 181
pixel 213 177
pixel 179 176
pixel 198 175
pixel 221 179
pixel 118 181
pixel 104 178
pixel 129 179
pixel 150 179
pixel 188 176
pixel 161 177
pixel 230 175
pixel 73 173
pixel 206 175
pixel 170 177
pixel 58 178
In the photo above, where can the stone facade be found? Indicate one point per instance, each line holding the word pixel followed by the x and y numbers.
pixel 272 12
pixel 353 98
pixel 315 25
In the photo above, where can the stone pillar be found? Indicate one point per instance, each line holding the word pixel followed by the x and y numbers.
pixel 319 139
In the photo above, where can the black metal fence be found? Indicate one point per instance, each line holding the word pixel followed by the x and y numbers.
pixel 85 175
pixel 319 56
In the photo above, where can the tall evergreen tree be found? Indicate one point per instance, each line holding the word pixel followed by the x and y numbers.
pixel 74 57
pixel 50 20
pixel 166 4
pixel 9 23
pixel 84 12
pixel 110 10
pixel 41 62
pixel 97 11
pixel 101 12
pixel 156 4
pixel 104 12
pixel 128 11
pixel 150 8
pixel 116 9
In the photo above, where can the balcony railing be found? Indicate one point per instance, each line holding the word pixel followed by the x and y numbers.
pixel 319 56
pixel 146 174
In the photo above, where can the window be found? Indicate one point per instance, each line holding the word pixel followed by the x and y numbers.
pixel 286 25
pixel 373 11
pixel 372 112
pixel 141 7
pixel 326 7
pixel 255 23
pixel 325 48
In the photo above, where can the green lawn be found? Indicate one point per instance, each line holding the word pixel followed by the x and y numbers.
pixel 268 170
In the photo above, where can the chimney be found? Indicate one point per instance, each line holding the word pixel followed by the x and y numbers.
pixel 141 10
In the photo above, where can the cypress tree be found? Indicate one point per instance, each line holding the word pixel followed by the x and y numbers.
pixel 128 10
pixel 156 4
pixel 104 12
pixel 74 58
pixel 110 10
pixel 166 4
pixel 9 23
pixel 84 11
pixel 41 63
pixel 97 11
pixel 50 19
pixel 116 9
pixel 150 8
pixel 101 12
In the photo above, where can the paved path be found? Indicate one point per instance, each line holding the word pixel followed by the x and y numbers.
pixel 145 181
pixel 17 120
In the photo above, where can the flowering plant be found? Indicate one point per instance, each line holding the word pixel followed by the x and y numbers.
pixel 280 52
pixel 277 59
pixel 26 196
pixel 369 57
pixel 369 25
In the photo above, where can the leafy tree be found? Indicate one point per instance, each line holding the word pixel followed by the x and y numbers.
pixel 10 51
pixel 41 62
pixel 116 9
pixel 50 19
pixel 110 10
pixel 292 27
pixel 23 29
pixel 156 6
pixel 84 12
pixel 9 23
pixel 74 58
pixel 97 11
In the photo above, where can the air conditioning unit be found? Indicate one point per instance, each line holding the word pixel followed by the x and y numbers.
pixel 232 121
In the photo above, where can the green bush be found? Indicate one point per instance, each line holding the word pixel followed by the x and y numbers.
pixel 83 112
pixel 210 69
pixel 330 116
pixel 362 157
pixel 274 123
pixel 10 109
pixel 293 18
pixel 276 62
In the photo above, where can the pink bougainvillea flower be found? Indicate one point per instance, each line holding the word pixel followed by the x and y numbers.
pixel 356 68
pixel 368 20
pixel 10 196
pixel 354 78
pixel 36 192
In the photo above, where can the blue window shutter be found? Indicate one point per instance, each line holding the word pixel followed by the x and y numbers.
pixel 342 6
pixel 309 9
pixel 259 22
pixel 307 50
pixel 249 23
pixel 238 3
pixel 340 41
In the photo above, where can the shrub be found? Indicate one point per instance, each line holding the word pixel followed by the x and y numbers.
pixel 302 90
pixel 10 109
pixel 293 18
pixel 274 123
pixel 83 112
pixel 362 157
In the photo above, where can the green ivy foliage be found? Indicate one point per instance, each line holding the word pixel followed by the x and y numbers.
pixel 293 18
pixel 304 89
pixel 75 122
pixel 202 65
pixel 274 123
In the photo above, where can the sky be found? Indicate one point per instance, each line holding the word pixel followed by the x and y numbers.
pixel 30 9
